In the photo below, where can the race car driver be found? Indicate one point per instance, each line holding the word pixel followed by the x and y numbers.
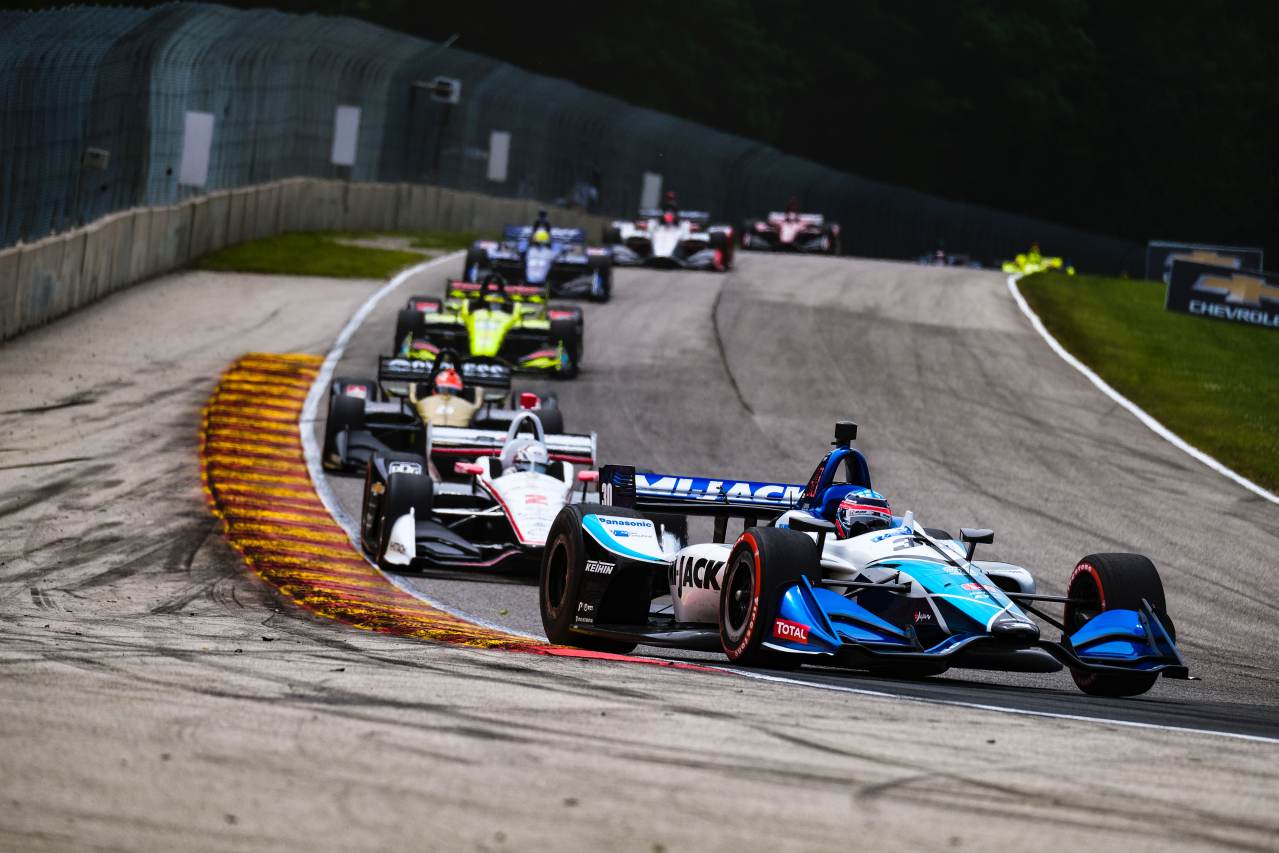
pixel 445 405
pixel 860 513
pixel 532 456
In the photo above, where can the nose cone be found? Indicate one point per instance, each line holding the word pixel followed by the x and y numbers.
pixel 1017 632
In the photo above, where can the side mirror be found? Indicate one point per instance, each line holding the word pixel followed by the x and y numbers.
pixel 472 468
pixel 813 524
pixel 974 536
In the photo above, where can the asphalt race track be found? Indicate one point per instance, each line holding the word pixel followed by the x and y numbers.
pixel 966 417
pixel 156 696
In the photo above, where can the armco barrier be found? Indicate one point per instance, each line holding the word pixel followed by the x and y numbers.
pixel 43 280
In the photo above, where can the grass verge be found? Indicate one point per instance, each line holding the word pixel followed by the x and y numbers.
pixel 1214 383
pixel 318 253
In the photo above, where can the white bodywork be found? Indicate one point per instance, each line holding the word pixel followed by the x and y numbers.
pixel 663 238
pixel 530 500
pixel 697 572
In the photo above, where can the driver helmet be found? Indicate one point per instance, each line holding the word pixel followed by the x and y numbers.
pixel 541 237
pixel 531 457
pixel 448 381
pixel 670 207
pixel 862 512
pixel 792 209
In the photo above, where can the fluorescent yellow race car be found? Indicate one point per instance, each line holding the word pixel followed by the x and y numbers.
pixel 493 319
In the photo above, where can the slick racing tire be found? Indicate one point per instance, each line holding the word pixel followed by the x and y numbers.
pixel 476 265
pixel 612 236
pixel 408 323
pixel 762 564
pixel 344 413
pixel 402 491
pixel 550 415
pixel 569 332
pixel 720 241
pixel 1114 582
pixel 604 268
pixel 560 582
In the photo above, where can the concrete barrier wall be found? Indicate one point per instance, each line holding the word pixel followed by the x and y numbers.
pixel 44 280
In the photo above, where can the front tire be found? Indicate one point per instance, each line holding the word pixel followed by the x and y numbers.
pixel 345 412
pixel 402 492
pixel 763 563
pixel 1113 582
pixel 560 582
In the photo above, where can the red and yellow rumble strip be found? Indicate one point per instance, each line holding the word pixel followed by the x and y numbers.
pixel 258 484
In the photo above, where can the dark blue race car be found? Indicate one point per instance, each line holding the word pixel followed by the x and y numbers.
pixel 555 258
pixel 825 573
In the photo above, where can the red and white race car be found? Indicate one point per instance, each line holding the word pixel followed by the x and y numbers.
pixel 513 485
pixel 670 238
pixel 790 230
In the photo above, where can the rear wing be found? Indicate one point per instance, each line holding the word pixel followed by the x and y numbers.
pixel 690 215
pixel 466 443
pixel 622 485
pixel 776 217
pixel 476 372
pixel 516 292
pixel 518 233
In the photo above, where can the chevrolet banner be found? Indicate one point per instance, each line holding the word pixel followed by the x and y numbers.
pixel 1160 255
pixel 1241 296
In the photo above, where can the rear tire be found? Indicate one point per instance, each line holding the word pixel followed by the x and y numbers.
pixel 764 561
pixel 560 582
pixel 408 324
pixel 605 271
pixel 476 265
pixel 569 332
pixel 612 236
pixel 1113 582
pixel 551 417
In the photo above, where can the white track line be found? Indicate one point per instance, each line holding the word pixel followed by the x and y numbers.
pixel 1154 425
pixel 999 709
pixel 311 451
pixel 311 448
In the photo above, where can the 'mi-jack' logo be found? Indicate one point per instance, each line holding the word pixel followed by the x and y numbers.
pixel 703 488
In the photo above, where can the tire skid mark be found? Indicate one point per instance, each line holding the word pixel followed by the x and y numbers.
pixel 256 483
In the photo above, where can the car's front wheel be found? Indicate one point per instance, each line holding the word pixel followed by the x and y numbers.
pixel 1102 582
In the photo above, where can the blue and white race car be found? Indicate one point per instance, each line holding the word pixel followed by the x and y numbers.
pixel 837 579
pixel 555 258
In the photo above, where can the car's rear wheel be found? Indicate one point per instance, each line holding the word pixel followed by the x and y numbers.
pixel 569 333
pixel 476 265
pixel 763 563
pixel 560 583
pixel 1102 582
pixel 408 324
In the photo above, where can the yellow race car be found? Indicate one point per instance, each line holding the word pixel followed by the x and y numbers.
pixel 492 319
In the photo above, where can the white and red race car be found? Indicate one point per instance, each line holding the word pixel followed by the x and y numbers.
pixel 792 231
pixel 497 515
pixel 671 239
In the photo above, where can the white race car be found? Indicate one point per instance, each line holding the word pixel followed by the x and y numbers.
pixel 514 484
pixel 672 239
